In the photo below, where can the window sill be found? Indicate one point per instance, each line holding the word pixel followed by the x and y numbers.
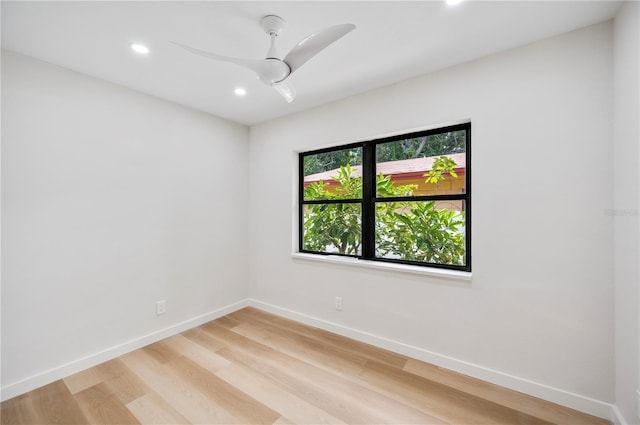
pixel 403 268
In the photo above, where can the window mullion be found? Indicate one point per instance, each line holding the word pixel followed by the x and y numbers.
pixel 368 195
pixel 300 201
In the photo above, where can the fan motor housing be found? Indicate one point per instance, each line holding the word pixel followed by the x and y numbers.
pixel 274 71
pixel 272 24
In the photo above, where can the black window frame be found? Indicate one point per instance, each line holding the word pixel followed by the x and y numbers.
pixel 369 199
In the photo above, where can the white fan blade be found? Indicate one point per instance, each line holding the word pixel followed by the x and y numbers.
pixel 314 44
pixel 286 90
pixel 253 64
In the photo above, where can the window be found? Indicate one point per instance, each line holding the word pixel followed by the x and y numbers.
pixel 403 199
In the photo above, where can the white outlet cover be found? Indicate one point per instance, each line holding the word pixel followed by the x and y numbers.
pixel 161 307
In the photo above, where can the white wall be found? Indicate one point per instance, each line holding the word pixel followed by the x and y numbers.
pixel 111 200
pixel 540 306
pixel 625 209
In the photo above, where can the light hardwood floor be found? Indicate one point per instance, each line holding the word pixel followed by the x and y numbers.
pixel 251 367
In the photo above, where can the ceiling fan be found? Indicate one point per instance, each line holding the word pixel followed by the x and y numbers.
pixel 274 71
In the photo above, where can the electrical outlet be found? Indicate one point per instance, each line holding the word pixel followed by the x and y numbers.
pixel 161 307
pixel 339 303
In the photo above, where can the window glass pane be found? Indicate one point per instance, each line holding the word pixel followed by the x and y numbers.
pixel 429 231
pixel 333 175
pixel 333 228
pixel 422 166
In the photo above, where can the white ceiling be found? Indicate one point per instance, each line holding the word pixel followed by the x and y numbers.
pixel 393 41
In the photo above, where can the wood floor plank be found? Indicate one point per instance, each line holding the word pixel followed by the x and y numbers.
pixel 152 410
pixel 127 387
pixel 284 421
pixel 552 412
pixel 196 407
pixel 227 321
pixel 369 352
pixel 269 393
pixel 20 410
pixel 161 351
pixel 252 367
pixel 340 397
pixel 197 353
pixel 443 401
pixel 112 369
pixel 101 406
pixel 95 375
pixel 332 403
pixel 323 359
pixel 56 405
pixel 83 380
pixel 515 400
pixel 233 400
pixel 304 348
pixel 199 336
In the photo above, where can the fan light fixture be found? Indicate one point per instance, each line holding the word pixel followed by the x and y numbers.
pixel 286 90
pixel 240 91
pixel 139 48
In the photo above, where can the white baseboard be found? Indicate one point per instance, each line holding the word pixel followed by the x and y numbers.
pixel 565 398
pixel 616 416
pixel 46 377
pixel 575 401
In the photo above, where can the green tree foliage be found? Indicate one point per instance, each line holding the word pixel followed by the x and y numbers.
pixel 440 166
pixel 419 147
pixel 422 147
pixel 334 225
pixel 408 230
pixel 327 161
pixel 418 231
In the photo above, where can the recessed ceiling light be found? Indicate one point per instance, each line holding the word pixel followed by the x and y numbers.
pixel 453 2
pixel 139 48
pixel 240 91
